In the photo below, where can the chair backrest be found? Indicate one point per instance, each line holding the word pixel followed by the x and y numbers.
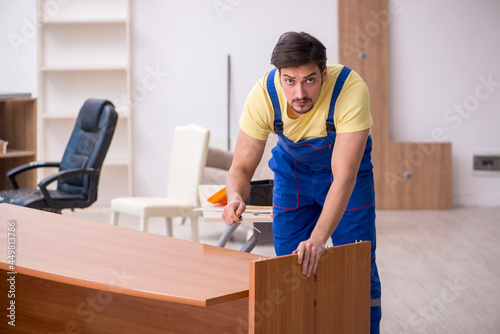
pixel 187 162
pixel 88 144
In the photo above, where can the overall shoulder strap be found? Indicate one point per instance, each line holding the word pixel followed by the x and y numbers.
pixel 271 90
pixel 339 84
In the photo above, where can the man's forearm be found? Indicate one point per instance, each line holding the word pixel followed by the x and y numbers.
pixel 237 185
pixel 247 156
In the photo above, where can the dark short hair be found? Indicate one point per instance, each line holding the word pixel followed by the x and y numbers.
pixel 295 49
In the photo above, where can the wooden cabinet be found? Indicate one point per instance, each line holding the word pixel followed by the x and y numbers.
pixel 18 127
pixel 84 52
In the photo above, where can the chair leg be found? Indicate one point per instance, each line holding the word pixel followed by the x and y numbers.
pixel 195 234
pixel 170 231
pixel 114 218
pixel 144 224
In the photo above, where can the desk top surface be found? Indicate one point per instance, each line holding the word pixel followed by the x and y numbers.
pixel 110 258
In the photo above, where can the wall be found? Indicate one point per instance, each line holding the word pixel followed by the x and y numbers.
pixel 442 56
pixel 440 53
pixel 189 44
pixel 18 46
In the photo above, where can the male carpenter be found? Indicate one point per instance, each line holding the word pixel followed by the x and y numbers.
pixel 323 179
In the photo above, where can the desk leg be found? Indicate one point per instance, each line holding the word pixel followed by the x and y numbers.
pixel 265 235
pixel 250 244
pixel 227 234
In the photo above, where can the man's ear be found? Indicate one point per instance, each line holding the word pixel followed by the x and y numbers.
pixel 325 73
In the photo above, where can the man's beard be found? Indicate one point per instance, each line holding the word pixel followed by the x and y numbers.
pixel 302 111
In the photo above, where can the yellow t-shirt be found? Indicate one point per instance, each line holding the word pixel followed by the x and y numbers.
pixel 352 110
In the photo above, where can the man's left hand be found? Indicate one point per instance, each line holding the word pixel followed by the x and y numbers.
pixel 309 252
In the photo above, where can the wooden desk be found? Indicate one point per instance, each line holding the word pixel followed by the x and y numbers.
pixel 77 276
pixel 91 273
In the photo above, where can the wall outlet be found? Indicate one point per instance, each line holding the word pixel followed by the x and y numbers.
pixel 487 162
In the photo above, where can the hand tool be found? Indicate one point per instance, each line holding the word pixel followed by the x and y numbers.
pixel 243 220
pixel 254 211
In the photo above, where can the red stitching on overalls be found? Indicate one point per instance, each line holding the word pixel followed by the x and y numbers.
pixel 285 147
pixel 317 148
pixel 361 207
pixel 298 201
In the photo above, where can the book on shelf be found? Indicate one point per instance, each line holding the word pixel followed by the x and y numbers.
pixel 3 146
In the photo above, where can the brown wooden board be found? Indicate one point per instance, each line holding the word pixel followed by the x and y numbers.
pixel 343 290
pixel 18 126
pixel 281 297
pixel 335 300
pixel 44 306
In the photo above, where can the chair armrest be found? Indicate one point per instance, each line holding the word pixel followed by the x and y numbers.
pixel 93 172
pixel 11 174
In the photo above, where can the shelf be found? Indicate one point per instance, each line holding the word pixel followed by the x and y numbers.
pixel 84 52
pixel 13 153
pixel 18 121
pixel 77 21
pixel 83 10
pixel 74 46
pixel 67 91
pixel 83 68
pixel 5 96
pixel 116 162
pixel 66 116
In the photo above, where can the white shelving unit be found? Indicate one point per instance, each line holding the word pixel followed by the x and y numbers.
pixel 84 52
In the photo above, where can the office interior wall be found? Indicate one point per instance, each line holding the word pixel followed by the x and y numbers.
pixel 440 53
pixel 186 43
pixel 18 35
pixel 445 85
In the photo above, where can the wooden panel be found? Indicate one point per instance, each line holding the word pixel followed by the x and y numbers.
pixel 18 127
pixel 44 306
pixel 429 179
pixel 281 298
pixel 336 300
pixel 89 254
pixel 362 29
pixel 343 290
pixel 363 46
pixel 24 180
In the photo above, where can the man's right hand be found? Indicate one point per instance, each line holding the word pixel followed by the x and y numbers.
pixel 246 157
pixel 230 210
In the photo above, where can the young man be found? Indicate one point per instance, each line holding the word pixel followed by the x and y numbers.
pixel 323 180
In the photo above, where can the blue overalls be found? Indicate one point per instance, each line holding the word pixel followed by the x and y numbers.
pixel 302 178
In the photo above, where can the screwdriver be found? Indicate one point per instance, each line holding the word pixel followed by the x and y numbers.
pixel 243 220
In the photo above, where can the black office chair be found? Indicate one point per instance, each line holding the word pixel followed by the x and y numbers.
pixel 79 170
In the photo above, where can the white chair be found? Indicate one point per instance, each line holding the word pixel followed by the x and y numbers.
pixel 187 163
